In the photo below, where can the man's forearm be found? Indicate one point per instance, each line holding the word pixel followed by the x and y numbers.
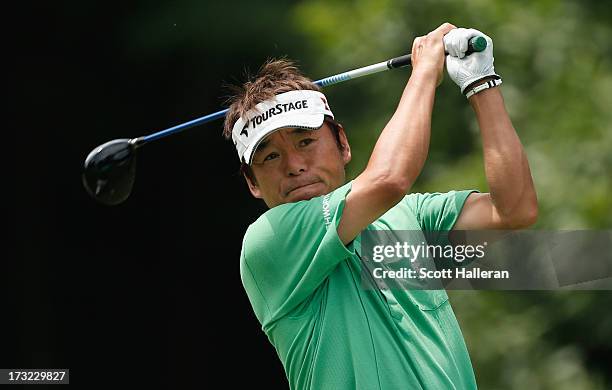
pixel 402 147
pixel 506 166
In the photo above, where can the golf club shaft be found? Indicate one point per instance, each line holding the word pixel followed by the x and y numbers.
pixel 393 63
pixel 475 44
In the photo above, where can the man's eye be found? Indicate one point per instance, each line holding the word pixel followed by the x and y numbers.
pixel 306 141
pixel 271 156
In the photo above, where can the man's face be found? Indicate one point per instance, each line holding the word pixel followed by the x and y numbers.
pixel 297 164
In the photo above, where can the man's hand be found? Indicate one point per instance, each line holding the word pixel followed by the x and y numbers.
pixel 465 70
pixel 428 52
pixel 512 202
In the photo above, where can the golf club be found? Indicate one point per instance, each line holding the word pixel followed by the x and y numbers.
pixel 110 168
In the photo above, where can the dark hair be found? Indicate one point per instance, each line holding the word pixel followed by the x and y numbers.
pixel 274 77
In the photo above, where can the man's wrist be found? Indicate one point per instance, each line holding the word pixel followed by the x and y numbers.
pixel 485 100
pixel 480 82
pixel 481 85
pixel 424 76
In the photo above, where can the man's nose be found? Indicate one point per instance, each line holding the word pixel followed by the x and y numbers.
pixel 295 163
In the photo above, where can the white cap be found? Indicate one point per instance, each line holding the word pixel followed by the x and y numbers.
pixel 305 109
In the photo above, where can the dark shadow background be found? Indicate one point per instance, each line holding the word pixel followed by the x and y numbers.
pixel 147 293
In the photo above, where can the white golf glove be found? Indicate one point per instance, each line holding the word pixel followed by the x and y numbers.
pixel 465 70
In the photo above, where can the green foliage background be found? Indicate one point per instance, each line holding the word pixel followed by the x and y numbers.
pixel 556 61
pixel 555 57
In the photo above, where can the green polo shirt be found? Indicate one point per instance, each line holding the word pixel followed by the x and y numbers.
pixel 328 330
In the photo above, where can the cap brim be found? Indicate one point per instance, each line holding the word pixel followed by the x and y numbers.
pixel 302 121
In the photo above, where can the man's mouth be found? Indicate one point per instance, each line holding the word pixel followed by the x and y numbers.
pixel 298 187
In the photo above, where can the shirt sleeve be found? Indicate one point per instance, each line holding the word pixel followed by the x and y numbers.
pixel 289 251
pixel 437 212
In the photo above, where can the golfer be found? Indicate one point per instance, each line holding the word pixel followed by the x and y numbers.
pixel 301 262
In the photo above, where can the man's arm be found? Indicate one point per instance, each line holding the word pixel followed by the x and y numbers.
pixel 512 202
pixel 401 149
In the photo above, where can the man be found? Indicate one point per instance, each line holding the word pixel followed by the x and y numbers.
pixel 301 261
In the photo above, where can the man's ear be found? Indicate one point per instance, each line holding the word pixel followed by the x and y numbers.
pixel 346 148
pixel 253 187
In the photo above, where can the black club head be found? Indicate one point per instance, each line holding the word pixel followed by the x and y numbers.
pixel 110 171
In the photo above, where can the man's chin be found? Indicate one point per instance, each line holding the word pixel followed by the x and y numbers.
pixel 294 199
pixel 306 193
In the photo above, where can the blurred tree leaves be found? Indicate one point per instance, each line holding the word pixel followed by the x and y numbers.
pixel 556 62
pixel 555 58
